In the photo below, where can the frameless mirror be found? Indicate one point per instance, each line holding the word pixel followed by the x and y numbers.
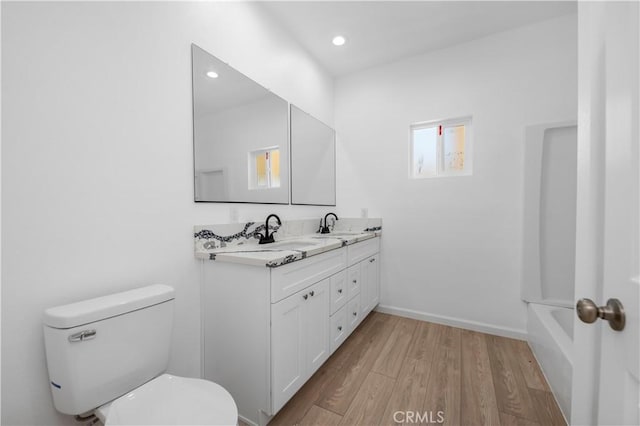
pixel 240 136
pixel 313 160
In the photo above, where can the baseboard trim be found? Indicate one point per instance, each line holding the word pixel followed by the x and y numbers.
pixel 454 322
pixel 246 421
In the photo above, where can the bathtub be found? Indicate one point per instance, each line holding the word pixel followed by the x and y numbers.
pixel 550 335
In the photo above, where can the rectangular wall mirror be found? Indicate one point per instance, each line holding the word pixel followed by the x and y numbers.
pixel 240 136
pixel 313 160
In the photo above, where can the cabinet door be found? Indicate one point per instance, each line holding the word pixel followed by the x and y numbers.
pixel 353 280
pixel 353 313
pixel 369 285
pixel 339 291
pixel 288 343
pixel 339 328
pixel 373 280
pixel 317 331
pixel 364 288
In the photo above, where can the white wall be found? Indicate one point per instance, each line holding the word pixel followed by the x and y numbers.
pixel 227 137
pixel 97 172
pixel 451 246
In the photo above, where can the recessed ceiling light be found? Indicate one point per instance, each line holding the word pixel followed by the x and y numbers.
pixel 212 74
pixel 338 40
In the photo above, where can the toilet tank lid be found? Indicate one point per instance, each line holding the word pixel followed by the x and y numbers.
pixel 88 311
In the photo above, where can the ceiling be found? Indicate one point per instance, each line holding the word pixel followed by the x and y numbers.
pixel 230 89
pixel 380 32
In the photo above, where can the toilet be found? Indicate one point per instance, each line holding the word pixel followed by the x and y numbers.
pixel 107 357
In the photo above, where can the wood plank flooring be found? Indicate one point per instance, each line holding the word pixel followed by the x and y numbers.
pixel 395 370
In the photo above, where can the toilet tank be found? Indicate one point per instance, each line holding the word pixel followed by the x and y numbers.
pixel 99 349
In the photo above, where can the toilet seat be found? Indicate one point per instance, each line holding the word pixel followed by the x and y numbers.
pixel 172 400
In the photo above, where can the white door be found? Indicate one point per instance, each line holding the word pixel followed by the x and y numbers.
pixel 288 342
pixel 374 280
pixel 365 297
pixel 353 312
pixel 317 326
pixel 354 280
pixel 606 362
pixel 339 328
pixel 339 291
pixel 370 284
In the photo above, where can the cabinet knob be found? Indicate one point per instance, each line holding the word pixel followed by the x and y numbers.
pixel 340 290
pixel 305 296
pixel 312 293
pixel 339 328
pixel 355 281
pixel 355 314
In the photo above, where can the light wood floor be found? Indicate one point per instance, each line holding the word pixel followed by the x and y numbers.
pixel 392 364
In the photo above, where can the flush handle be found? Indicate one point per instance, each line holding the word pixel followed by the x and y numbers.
pixel 613 312
pixel 82 336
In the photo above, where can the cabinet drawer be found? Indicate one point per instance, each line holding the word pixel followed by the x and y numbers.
pixel 353 280
pixel 339 328
pixel 339 291
pixel 362 250
pixel 289 279
pixel 353 313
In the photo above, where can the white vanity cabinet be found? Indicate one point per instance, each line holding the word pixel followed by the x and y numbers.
pixel 267 330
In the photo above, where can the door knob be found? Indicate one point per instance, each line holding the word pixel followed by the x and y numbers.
pixel 613 312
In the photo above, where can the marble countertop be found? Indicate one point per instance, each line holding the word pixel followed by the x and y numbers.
pixel 285 250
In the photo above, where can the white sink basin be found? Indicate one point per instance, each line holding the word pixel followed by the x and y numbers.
pixel 339 234
pixel 292 245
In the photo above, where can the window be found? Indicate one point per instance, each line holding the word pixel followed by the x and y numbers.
pixel 440 148
pixel 264 168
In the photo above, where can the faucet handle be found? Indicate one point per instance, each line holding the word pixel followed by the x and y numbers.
pixel 325 228
pixel 266 240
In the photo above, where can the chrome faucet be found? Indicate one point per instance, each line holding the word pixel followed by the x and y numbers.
pixel 325 229
pixel 266 238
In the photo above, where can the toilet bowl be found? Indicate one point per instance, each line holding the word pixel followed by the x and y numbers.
pixel 108 356
pixel 172 400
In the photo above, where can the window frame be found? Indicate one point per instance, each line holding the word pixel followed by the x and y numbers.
pixel 466 121
pixel 252 169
